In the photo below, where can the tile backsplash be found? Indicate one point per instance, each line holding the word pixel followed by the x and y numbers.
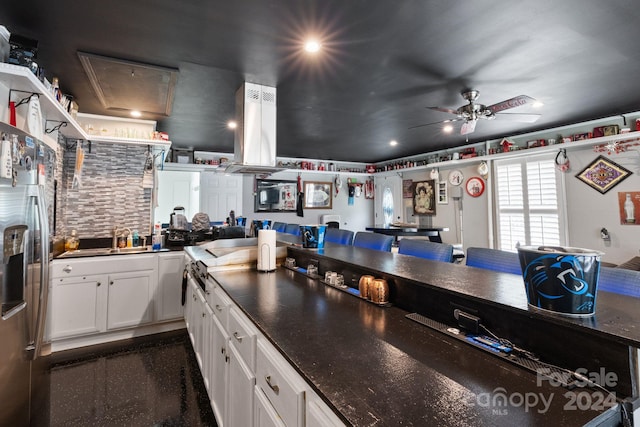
pixel 110 191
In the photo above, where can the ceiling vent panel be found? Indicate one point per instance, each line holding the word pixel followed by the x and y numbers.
pixel 123 85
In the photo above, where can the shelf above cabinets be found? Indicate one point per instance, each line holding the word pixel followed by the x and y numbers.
pixel 20 82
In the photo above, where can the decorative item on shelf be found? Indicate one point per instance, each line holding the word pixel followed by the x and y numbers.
pixel 582 136
pixel 603 174
pixel 371 168
pixel 536 143
pixel 629 202
pixel 506 145
pixel 617 146
pixel 605 131
pixel 468 153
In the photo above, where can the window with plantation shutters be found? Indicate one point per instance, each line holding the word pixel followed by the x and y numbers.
pixel 528 210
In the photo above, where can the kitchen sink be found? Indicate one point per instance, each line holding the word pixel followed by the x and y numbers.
pixel 79 253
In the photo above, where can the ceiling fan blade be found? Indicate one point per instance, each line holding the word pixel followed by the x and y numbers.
pixel 511 103
pixel 434 123
pixel 444 110
pixel 518 117
pixel 468 127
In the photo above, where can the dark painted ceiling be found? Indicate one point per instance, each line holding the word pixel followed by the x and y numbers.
pixel 382 63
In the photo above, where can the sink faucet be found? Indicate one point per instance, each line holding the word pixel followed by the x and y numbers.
pixel 115 237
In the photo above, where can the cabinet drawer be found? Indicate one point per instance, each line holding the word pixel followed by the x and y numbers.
pixel 102 265
pixel 243 337
pixel 284 387
pixel 220 303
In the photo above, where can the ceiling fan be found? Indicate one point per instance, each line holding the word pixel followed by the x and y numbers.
pixel 470 113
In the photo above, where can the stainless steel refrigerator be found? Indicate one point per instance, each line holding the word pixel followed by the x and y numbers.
pixel 25 218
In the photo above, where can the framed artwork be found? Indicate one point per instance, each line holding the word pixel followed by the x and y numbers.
pixel 443 195
pixel 629 204
pixel 424 197
pixel 407 188
pixel 603 174
pixel 317 195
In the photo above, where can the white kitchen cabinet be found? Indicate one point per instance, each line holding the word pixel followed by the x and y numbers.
pixel 168 297
pixel 96 297
pixel 130 300
pixel 219 370
pixel 77 306
pixel 241 360
pixel 283 387
pixel 318 413
pixel 264 414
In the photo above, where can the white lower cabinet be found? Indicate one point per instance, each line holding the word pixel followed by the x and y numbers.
pixel 249 382
pixel 77 304
pixel 219 371
pixel 129 297
pixel 283 387
pixel 169 291
pixel 240 390
pixel 264 414
pixel 99 294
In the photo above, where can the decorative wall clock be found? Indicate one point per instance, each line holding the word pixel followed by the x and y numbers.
pixel 603 174
pixel 475 186
pixel 455 177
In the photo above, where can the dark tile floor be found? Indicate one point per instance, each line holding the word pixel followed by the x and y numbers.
pixel 152 383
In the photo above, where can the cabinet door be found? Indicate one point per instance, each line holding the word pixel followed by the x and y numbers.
pixel 199 321
pixel 78 306
pixel 264 414
pixel 240 390
pixel 130 302
pixel 219 371
pixel 169 292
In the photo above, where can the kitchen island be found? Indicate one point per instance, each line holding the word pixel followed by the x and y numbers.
pixel 373 366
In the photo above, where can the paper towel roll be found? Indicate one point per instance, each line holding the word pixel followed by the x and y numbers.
pixel 266 250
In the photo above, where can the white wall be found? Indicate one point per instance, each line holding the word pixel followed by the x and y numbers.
pixel 588 211
pixel 355 217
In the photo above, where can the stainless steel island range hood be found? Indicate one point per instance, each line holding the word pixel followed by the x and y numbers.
pixel 255 137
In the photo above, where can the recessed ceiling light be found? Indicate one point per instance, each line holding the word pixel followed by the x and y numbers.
pixel 447 129
pixel 393 143
pixel 136 113
pixel 232 124
pixel 312 46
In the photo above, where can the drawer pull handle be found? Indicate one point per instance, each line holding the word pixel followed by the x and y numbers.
pixel 238 337
pixel 273 387
pixel 218 307
pixel 111 282
pixel 67 269
pixel 222 350
pixel 98 284
pixel 204 314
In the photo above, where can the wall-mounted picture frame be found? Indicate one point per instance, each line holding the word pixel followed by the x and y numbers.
pixel 603 174
pixel 443 194
pixel 318 195
pixel 275 195
pixel 424 197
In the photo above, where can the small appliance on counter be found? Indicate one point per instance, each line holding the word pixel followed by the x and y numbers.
pixel 178 231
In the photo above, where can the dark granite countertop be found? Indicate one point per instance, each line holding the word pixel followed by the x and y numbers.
pixel 376 367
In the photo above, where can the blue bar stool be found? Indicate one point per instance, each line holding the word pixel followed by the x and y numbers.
pixel 379 242
pixel 426 249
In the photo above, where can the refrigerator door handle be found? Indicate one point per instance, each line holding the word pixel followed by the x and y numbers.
pixel 43 296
